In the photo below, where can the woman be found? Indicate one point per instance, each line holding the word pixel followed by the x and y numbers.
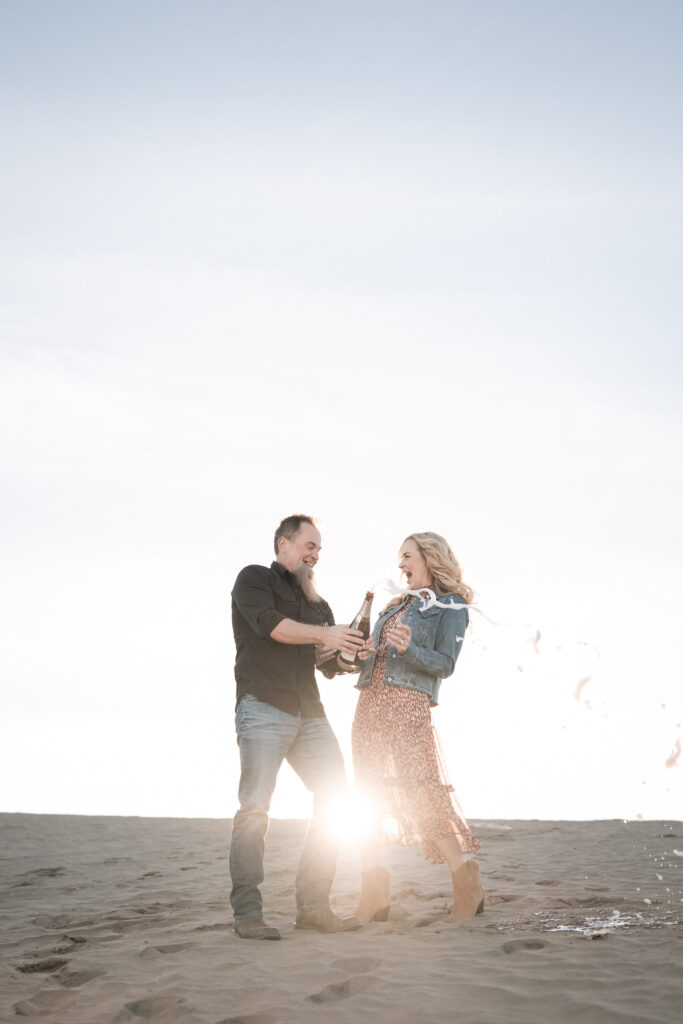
pixel 396 756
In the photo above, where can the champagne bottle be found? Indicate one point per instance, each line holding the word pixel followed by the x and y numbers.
pixel 360 621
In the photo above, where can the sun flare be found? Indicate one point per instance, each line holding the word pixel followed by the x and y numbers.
pixel 351 819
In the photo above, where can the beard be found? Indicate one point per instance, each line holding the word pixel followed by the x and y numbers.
pixel 305 577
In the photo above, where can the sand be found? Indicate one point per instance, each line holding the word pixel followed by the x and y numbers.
pixel 128 920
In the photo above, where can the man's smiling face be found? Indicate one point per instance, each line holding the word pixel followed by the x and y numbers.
pixel 304 546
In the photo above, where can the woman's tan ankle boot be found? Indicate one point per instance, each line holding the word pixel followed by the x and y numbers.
pixel 374 896
pixel 468 895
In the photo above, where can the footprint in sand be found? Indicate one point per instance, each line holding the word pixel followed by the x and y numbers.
pixel 62 921
pixel 344 989
pixel 147 1009
pixel 418 894
pixel 75 979
pixel 67 945
pixel 586 901
pixel 517 944
pixel 357 964
pixel 251 1018
pixel 220 927
pixel 45 1002
pixel 138 923
pixel 548 881
pixel 154 952
pixel 48 966
pixel 502 898
pixel 29 877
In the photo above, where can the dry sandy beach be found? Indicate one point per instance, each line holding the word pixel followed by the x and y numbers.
pixel 127 919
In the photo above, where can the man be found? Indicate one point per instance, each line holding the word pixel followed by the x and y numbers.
pixel 278 619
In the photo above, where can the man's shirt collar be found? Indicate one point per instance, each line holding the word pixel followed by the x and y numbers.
pixel 279 568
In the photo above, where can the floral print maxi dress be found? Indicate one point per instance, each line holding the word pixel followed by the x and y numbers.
pixel 398 764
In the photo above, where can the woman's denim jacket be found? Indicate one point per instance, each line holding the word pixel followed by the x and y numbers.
pixel 436 638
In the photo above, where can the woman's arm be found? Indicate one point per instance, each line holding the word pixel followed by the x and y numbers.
pixel 439 661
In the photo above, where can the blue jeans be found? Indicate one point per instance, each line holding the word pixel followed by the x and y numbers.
pixel 266 736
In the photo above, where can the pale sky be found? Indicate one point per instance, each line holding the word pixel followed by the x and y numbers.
pixel 401 266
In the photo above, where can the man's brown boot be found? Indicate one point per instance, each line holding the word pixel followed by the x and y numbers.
pixel 374 895
pixel 254 928
pixel 324 919
pixel 468 895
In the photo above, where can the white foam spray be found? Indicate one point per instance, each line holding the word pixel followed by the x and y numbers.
pixel 429 599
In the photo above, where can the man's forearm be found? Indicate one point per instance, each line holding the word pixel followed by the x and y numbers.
pixel 290 632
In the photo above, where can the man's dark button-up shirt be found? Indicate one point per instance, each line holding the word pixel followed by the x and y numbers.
pixel 279 674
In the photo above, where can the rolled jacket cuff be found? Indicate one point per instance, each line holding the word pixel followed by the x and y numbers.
pixel 410 653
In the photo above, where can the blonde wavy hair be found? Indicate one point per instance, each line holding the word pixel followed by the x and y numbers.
pixel 442 564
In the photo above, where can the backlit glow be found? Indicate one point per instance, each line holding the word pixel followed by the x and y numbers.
pixel 350 818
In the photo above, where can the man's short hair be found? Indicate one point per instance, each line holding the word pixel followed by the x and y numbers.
pixel 290 526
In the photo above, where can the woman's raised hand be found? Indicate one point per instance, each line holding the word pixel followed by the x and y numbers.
pixel 400 636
